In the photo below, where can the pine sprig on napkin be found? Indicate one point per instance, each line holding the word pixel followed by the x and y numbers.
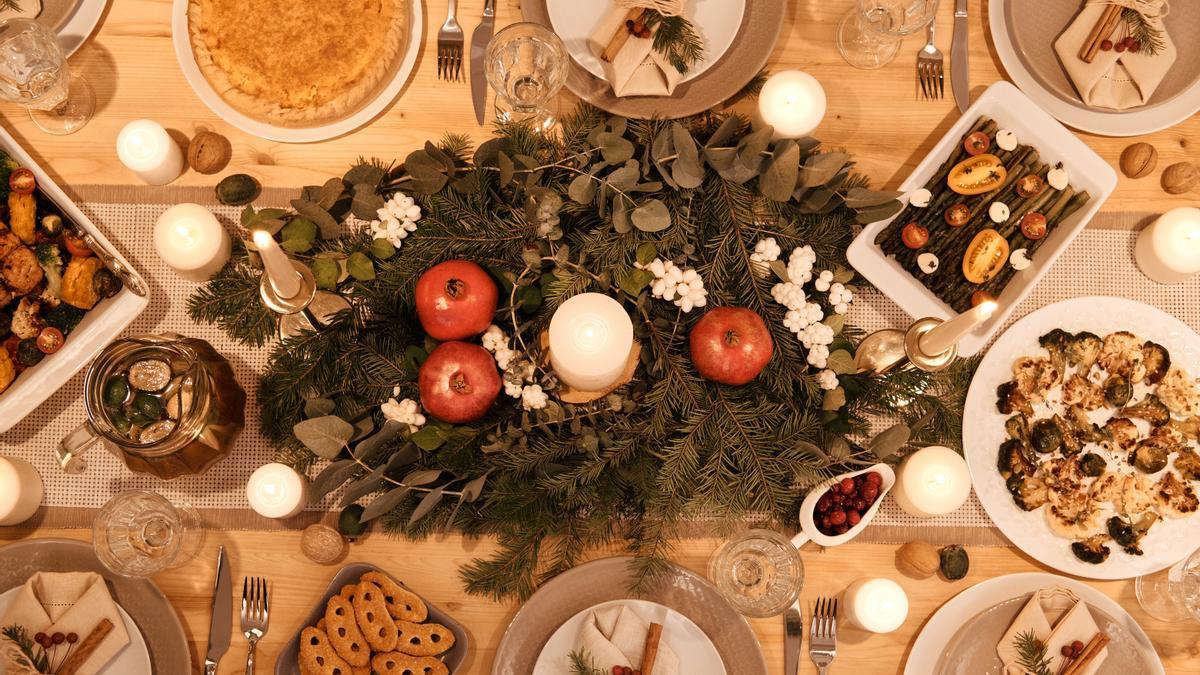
pixel 1149 37
pixel 1032 653
pixel 582 665
pixel 30 656
pixel 675 39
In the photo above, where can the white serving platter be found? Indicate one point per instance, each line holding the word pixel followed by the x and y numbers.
pixel 1013 110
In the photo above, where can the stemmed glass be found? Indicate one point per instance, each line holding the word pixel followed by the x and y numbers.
pixel 140 533
pixel 759 572
pixel 526 65
pixel 34 73
pixel 870 34
pixel 1172 594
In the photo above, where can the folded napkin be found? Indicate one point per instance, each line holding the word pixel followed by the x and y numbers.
pixel 616 636
pixel 1115 80
pixel 67 602
pixel 1057 617
pixel 636 70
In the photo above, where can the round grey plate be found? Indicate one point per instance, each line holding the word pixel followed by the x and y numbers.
pixel 609 579
pixel 150 609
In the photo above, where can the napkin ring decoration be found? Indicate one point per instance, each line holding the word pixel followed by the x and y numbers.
pixel 646 46
pixel 1142 31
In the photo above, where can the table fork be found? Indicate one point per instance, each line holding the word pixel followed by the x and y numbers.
pixel 931 73
pixel 255 615
pixel 822 634
pixel 450 46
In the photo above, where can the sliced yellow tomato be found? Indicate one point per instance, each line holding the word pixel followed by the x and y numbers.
pixel 977 175
pixel 985 256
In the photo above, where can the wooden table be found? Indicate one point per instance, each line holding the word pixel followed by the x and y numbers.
pixel 131 64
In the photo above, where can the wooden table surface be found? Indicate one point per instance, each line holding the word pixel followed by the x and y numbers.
pixel 131 64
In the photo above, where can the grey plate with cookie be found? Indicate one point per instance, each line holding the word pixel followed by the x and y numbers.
pixel 288 662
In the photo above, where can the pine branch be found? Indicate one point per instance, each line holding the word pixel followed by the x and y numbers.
pixel 30 656
pixel 231 300
pixel 582 664
pixel 1149 36
pixel 676 39
pixel 1031 653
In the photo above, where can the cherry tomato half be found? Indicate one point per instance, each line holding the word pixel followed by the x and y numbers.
pixel 976 143
pixel 914 235
pixel 21 181
pixel 957 215
pixel 1033 226
pixel 1030 185
pixel 76 246
pixel 50 340
pixel 980 297
pixel 10 345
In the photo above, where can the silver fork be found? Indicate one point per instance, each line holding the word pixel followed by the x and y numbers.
pixel 931 71
pixel 256 615
pixel 822 634
pixel 450 46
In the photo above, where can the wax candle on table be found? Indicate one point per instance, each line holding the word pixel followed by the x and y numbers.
pixel 876 605
pixel 279 270
pixel 792 102
pixel 191 240
pixel 944 336
pixel 277 491
pixel 1168 250
pixel 20 490
pixel 146 148
pixel 932 482
pixel 590 340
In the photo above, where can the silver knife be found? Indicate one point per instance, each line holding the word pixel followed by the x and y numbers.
pixel 479 44
pixel 793 631
pixel 960 69
pixel 222 615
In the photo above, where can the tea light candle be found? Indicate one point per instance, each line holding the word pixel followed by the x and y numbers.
pixel 277 491
pixel 20 491
pixel 1168 250
pixel 943 337
pixel 284 278
pixel 590 340
pixel 189 239
pixel 876 605
pixel 932 482
pixel 792 102
pixel 146 149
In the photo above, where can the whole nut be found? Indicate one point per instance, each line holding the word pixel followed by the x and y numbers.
pixel 209 152
pixel 1139 160
pixel 918 560
pixel 1180 178
pixel 322 544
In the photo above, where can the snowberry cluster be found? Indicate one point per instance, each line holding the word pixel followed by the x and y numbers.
pixel 765 251
pixel 672 283
pixel 518 371
pixel 405 412
pixel 840 297
pixel 397 219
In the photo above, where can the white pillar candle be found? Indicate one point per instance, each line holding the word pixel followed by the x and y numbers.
pixel 20 491
pixel 277 491
pixel 944 336
pixel 1168 250
pixel 146 149
pixel 191 240
pixel 875 605
pixel 284 278
pixel 590 340
pixel 931 482
pixel 792 102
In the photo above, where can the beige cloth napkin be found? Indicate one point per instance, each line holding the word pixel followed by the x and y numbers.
pixel 1057 617
pixel 1115 80
pixel 616 636
pixel 637 70
pixel 68 602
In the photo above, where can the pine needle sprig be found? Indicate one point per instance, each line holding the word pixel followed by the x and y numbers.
pixel 676 39
pixel 582 664
pixel 1149 36
pixel 31 656
pixel 10 5
pixel 1031 653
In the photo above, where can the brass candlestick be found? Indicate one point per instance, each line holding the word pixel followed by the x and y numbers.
pixel 884 350
pixel 309 309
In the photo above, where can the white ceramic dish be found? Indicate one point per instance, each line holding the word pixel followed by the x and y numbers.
pixel 697 655
pixel 808 528
pixel 983 432
pixel 1105 123
pixel 366 113
pixel 717 22
pixel 99 326
pixel 134 659
pixel 945 623
pixel 1011 109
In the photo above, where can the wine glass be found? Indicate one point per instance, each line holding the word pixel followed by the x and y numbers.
pixel 1172 594
pixel 869 35
pixel 759 572
pixel 34 73
pixel 140 533
pixel 526 65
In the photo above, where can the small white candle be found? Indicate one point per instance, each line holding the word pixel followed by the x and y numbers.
pixel 876 605
pixel 191 240
pixel 792 102
pixel 931 482
pixel 1168 250
pixel 279 270
pixel 146 148
pixel 20 490
pixel 590 340
pixel 944 336
pixel 277 491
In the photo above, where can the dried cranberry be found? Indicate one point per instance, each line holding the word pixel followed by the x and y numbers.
pixel 847 486
pixel 860 505
pixel 1106 46
pixel 853 518
pixel 1120 47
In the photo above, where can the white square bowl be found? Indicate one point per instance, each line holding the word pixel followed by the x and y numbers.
pixel 1011 109
pixel 99 326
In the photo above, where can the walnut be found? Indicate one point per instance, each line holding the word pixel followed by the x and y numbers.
pixel 1180 178
pixel 1139 160
pixel 917 559
pixel 209 152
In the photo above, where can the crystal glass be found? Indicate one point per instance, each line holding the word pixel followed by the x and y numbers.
pixel 34 73
pixel 139 533
pixel 526 65
pixel 759 572
pixel 1172 594
pixel 869 35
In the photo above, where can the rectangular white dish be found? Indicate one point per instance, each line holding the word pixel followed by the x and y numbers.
pixel 1011 109
pixel 99 326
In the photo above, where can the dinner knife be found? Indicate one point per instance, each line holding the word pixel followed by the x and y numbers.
pixel 479 44
pixel 793 630
pixel 222 615
pixel 960 72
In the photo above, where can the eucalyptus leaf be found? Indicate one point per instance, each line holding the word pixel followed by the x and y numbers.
pixel 833 399
pixel 778 181
pixel 421 477
pixel 780 270
pixel 633 281
pixel 507 168
pixel 360 266
pixel 724 133
pixel 843 276
pixel 371 446
pixel 737 172
pixel 646 253
pixel 296 245
pixel 317 407
pixel 366 203
pixel 331 192
pixel 330 479
pixel 488 152
pixel 651 216
pixel 890 441
pixel 326 436
pixel 860 197
pixel 624 177
pixel 839 449
pixel 820 169
pixel 441 157
pixel 382 504
pixel 836 322
pixel 328 225
pixel 473 489
pixel 752 146
pixel 620 214
pixel 720 159
pixel 614 148
pixel 686 170
pixel 428 438
pixel 364 174
pixel 841 362
pixel 363 428
pixel 428 174
pixel 372 482
pixel 875 214
pixel 427 504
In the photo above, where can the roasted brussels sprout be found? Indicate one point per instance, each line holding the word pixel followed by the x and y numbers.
pixel 1056 342
pixel 1150 409
pixel 1017 427
pixel 1027 492
pixel 63 317
pixel 1093 465
pixel 28 353
pixel 1187 463
pixel 1046 436
pixel 1015 459
pixel 1083 349
pixel 1157 361
pixel 1085 429
pixel 1117 391
pixel 1150 456
pixel 954 562
pixel 1009 400
pixel 1091 550
pixel 1128 533
pixel 107 283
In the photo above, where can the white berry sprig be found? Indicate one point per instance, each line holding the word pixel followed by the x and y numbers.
pixel 684 287
pixel 519 372
pixel 396 220
pixel 765 252
pixel 406 411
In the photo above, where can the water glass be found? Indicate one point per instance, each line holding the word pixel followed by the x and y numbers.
pixel 1172 594
pixel 759 572
pixel 34 73
pixel 869 35
pixel 140 533
pixel 526 65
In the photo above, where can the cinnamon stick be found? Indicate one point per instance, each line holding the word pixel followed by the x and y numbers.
pixel 1100 32
pixel 622 35
pixel 85 648
pixel 650 652
pixel 1089 653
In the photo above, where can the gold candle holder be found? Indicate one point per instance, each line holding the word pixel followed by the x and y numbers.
pixel 310 309
pixel 891 348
